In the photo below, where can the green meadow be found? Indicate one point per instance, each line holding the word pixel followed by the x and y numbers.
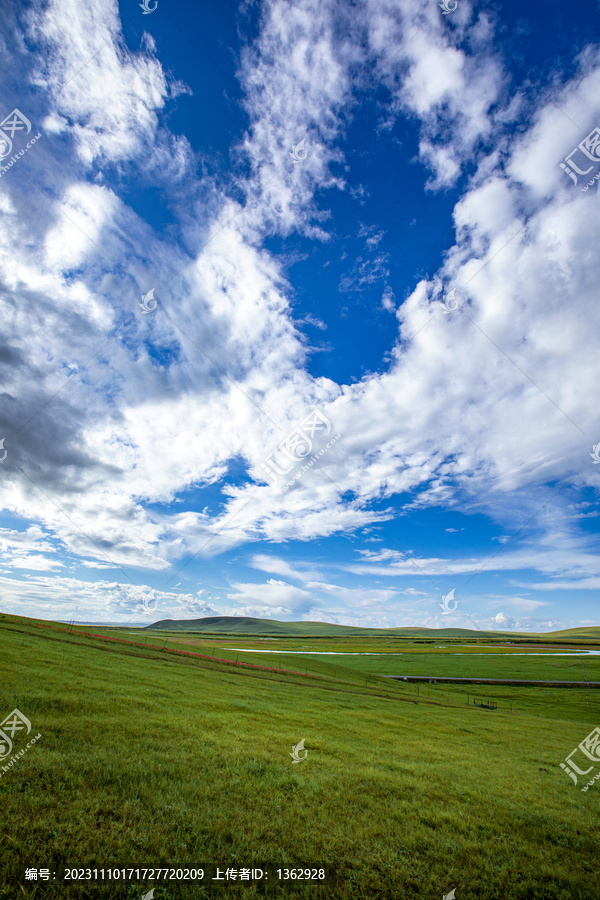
pixel 152 758
pixel 409 659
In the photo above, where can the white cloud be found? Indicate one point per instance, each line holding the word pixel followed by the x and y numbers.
pixel 86 211
pixel 388 300
pixel 105 97
pixel 277 566
pixel 450 90
pixel 276 596
pixel 32 561
pixel 57 596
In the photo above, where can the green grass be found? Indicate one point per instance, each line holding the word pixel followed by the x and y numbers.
pixel 393 657
pixel 147 758
pixel 367 670
pixel 469 665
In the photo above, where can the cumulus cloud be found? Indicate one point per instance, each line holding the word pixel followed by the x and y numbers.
pixel 274 597
pixel 59 596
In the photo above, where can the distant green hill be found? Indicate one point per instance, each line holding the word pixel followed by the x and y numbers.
pixel 247 625
pixel 590 632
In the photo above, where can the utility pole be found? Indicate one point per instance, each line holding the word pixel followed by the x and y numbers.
pixel 584 675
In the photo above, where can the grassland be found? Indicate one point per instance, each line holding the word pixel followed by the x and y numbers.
pixel 150 757
pixel 432 663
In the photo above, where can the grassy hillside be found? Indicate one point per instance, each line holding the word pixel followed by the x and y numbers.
pixel 149 758
pixel 592 632
pixel 248 625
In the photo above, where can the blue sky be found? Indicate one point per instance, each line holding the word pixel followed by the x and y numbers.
pixel 366 369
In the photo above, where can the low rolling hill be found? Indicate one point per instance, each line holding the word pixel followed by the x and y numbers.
pixel 251 626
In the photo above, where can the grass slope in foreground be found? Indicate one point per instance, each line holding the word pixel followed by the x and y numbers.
pixel 148 759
